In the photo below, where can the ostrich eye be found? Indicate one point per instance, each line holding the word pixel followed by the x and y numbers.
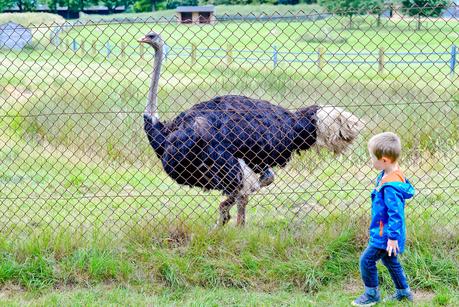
pixel 152 36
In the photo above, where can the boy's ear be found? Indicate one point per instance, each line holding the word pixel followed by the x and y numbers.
pixel 386 160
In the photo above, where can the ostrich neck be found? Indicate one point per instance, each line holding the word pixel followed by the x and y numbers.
pixel 152 102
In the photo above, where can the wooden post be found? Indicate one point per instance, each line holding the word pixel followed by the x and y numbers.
pixel 381 60
pixel 94 48
pixel 82 48
pixel 142 50
pixel 229 54
pixel 193 54
pixel 320 60
pixel 123 49
pixel 166 51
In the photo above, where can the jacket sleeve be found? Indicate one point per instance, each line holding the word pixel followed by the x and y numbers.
pixel 394 202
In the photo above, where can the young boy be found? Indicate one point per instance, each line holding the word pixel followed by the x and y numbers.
pixel 387 228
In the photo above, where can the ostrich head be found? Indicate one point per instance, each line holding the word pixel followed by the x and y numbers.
pixel 153 39
pixel 333 128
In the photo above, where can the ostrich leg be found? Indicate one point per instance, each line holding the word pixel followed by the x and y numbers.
pixel 225 207
pixel 242 201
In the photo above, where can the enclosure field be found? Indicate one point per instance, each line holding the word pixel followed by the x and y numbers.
pixel 75 114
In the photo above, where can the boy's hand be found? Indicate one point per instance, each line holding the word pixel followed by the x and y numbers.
pixel 392 246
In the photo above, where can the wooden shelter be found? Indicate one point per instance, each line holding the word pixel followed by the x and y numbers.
pixel 196 14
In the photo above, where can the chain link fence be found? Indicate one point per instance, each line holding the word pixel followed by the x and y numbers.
pixel 74 153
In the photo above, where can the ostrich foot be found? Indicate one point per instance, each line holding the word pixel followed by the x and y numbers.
pixel 225 207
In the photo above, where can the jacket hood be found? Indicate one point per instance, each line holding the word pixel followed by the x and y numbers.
pixel 406 189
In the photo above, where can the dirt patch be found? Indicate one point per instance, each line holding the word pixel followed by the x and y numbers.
pixel 14 94
pixel 9 290
pixel 422 296
pixel 353 286
pixel 18 92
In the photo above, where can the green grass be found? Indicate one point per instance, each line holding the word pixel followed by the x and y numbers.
pixel 89 217
pixel 180 259
pixel 196 296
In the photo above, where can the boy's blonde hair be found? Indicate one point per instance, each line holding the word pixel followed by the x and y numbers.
pixel 386 144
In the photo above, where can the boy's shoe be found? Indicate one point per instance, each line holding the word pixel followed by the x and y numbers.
pixel 400 295
pixel 369 298
pixel 365 300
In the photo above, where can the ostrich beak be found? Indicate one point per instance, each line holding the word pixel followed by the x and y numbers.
pixel 143 40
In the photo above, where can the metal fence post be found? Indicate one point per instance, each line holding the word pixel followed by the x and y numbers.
pixel 74 45
pixel 381 60
pixel 452 61
pixel 274 56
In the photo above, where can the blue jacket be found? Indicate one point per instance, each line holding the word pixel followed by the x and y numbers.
pixel 388 212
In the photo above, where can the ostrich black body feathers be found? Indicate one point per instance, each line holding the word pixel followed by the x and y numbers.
pixel 204 146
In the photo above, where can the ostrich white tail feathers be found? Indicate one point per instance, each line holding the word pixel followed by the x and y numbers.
pixel 250 182
pixel 336 128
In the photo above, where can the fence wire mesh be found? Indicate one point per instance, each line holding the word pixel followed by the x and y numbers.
pixel 74 152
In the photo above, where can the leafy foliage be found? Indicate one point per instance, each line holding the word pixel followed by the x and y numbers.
pixel 426 8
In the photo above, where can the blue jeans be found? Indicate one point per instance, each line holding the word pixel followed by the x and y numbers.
pixel 370 274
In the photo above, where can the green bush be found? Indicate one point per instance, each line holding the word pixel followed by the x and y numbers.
pixel 352 7
pixel 5 4
pixel 172 4
pixel 142 6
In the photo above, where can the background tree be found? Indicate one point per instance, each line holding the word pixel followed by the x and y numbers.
pixel 112 4
pixel 150 5
pixel 172 4
pixel 377 7
pixel 73 5
pixel 426 8
pixel 25 5
pixel 5 4
pixel 346 7
pixel 143 6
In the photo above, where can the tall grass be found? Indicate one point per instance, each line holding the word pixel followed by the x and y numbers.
pixel 32 19
pixel 186 255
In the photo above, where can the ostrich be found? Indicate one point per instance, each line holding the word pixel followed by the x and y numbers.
pixel 231 143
